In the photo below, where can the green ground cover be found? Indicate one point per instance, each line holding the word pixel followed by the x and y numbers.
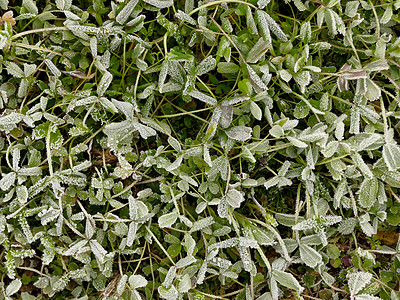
pixel 235 149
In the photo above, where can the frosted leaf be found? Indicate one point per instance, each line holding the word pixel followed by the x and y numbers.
pixel 189 180
pixel 287 280
pixel 167 220
pixel 275 28
pixel 104 83
pixel 239 133
pixel 75 248
pixel 310 256
pixel 354 120
pixel 185 284
pixel 160 125
pixel 160 3
pixel 285 75
pixel 340 192
pixel 186 261
pixel 271 182
pixel 297 143
pixel 201 224
pixel 234 100
pixel 175 164
pixel 224 230
pixel 174 144
pixel 368 192
pixel 31 7
pixel 246 258
pixel 303 79
pixel 98 250
pixel 206 66
pixel 347 226
pixel 373 91
pixel 313 135
pixel 144 130
pixel 226 115
pixel 305 32
pixel 264 26
pixel 330 21
pixel 251 24
pixel 361 165
pixel 133 208
pixel 285 167
pixel 255 110
pixel 124 14
pixel 203 97
pixel 185 17
pixel 29 69
pixel 223 208
pixel 262 3
pixel 351 8
pixel 257 52
pixel 371 114
pixel 137 281
pixel 52 67
pixel 227 67
pixel 391 156
pixel 387 15
pixel 357 281
pixel 63 4
pixel 4 5
pixel 206 155
pixel 368 297
pixel 14 70
pixel 247 154
pixel 121 284
pixel 202 273
pixel 13 287
pixel 169 277
pixel 369 140
pixel 377 65
pixel 255 80
pixel 234 198
pixel 7 181
pixel 22 194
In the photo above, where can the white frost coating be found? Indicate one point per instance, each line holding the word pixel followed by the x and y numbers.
pixel 160 3
pixel 206 65
pixel 185 17
pixel 126 11
pixel 240 133
pixel 203 97
pixel 357 281
pixel 256 81
pixel 104 83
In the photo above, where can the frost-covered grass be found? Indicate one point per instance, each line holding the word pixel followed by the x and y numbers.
pixel 185 149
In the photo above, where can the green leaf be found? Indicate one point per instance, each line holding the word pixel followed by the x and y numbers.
pixel 137 281
pixel 297 143
pixel 301 110
pixel 310 256
pixel 247 154
pixel 234 198
pixel 287 280
pixel 13 287
pixel 104 83
pixel 167 220
pixel 391 155
pixel 368 192
pixel 255 110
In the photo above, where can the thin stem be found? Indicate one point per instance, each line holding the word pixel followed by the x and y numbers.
pixel 220 2
pixel 378 25
pixel 159 244
pixel 18 35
